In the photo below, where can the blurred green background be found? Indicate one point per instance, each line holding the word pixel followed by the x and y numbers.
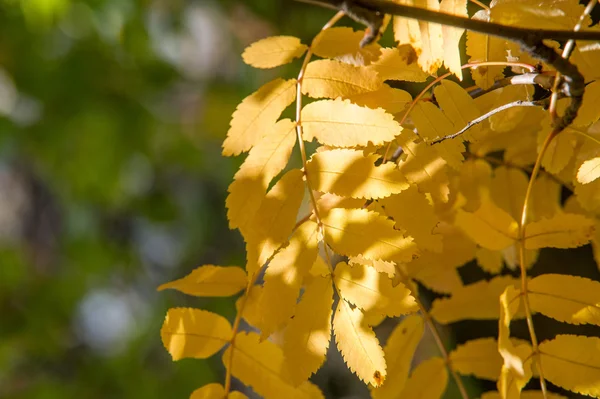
pixel 112 114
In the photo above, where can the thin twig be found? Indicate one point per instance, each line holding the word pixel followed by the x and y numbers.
pixel 545 81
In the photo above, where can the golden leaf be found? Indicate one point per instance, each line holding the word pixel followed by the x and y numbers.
pixel 545 198
pixel 489 226
pixel 380 265
pixel 589 171
pixel 332 79
pixel 215 391
pixel 399 351
pixel 508 189
pixel 490 261
pixel 340 123
pixel 478 357
pixel 209 280
pixel 350 173
pixel 260 365
pixel 252 312
pixel 562 231
pixel 475 182
pixel 257 113
pixel 559 151
pixel 353 232
pixel 196 333
pixel 572 362
pixel 427 381
pixel 399 64
pixel 358 345
pixel 457 104
pixel 344 44
pixel 307 336
pixel 531 394
pixel 390 99
pixel 485 48
pixel 452 36
pixel 273 51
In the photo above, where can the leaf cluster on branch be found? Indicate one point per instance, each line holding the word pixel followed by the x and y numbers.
pixel 403 192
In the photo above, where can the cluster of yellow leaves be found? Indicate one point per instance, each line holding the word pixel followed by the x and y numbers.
pixel 420 219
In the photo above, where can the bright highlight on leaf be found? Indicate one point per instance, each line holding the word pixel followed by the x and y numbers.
pixel 332 79
pixel 209 280
pixel 273 51
pixel 589 171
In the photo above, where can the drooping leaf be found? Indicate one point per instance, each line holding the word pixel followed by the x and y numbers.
pixel 332 79
pixel 350 173
pixel 284 276
pixel 358 345
pixel 399 351
pixel 273 51
pixel 370 290
pixel 427 381
pixel 353 232
pixel 257 113
pixel 260 365
pixel 210 280
pixel 573 362
pixel 195 333
pixel 489 226
pixel 485 48
pixel 307 336
pixel 340 123
pixel 589 171
pixel 452 36
pixel 562 231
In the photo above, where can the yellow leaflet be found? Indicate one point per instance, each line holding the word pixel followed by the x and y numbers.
pixel 422 165
pixel 573 362
pixel 327 202
pixel 588 196
pixel 438 278
pixel 570 299
pixel 587 58
pixel 399 351
pixel 344 44
pixel 545 14
pixel 252 312
pixel 589 112
pixel 215 391
pixel 332 79
pixel 350 173
pixel 260 365
pixel 340 123
pixel 489 226
pixel 559 151
pixel 510 382
pixel 368 289
pixel 209 280
pixel 478 301
pixel 545 198
pixel 564 230
pixel 390 99
pixel 596 243
pixel 319 268
pixel 412 212
pixel 196 333
pixel 427 381
pixel 353 232
pixel 358 344
pixel 478 357
pixel 589 171
pixel 431 53
pixel 475 181
pixel 531 394
pixel 273 51
pixel 264 162
pixel 511 118
pixel 274 220
pixel 490 261
pixel 284 277
pixel 452 36
pixel 485 48
pixel 431 123
pixel 257 113
pixel 380 265
pixel 458 105
pixel 508 189
pixel 406 30
pixel 306 337
pixel 399 64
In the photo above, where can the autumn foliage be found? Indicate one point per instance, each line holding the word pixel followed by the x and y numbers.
pixel 338 245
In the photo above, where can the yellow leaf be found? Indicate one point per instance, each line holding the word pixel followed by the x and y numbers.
pixel 457 104
pixel 380 265
pixel 196 333
pixel 559 151
pixel 587 58
pixel 306 337
pixel 461 305
pixel 573 362
pixel 478 357
pixel 399 64
pixel 511 382
pixel 588 196
pixel 545 198
pixel 340 123
pixel 350 173
pixel 531 394
pixel 485 48
pixel 215 391
pixel 431 45
pixel 427 381
pixel 412 212
pixel 490 261
pixel 257 113
pixel 273 51
pixel 565 230
pixel 452 36
pixel 589 112
pixel 569 299
pixel 358 345
pixel 209 280
pixel 589 171
pixel 344 44
pixel 475 182
pixel 431 123
pixel 264 162
pixel 284 277
pixel 274 220
pixel 353 232
pixel 327 202
pixel 511 118
pixel 489 226
pixel 407 30
pixel 332 79
pixel 252 312
pixel 390 99
pixel 368 289
pixel 399 351
pixel 261 366
pixel 508 189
